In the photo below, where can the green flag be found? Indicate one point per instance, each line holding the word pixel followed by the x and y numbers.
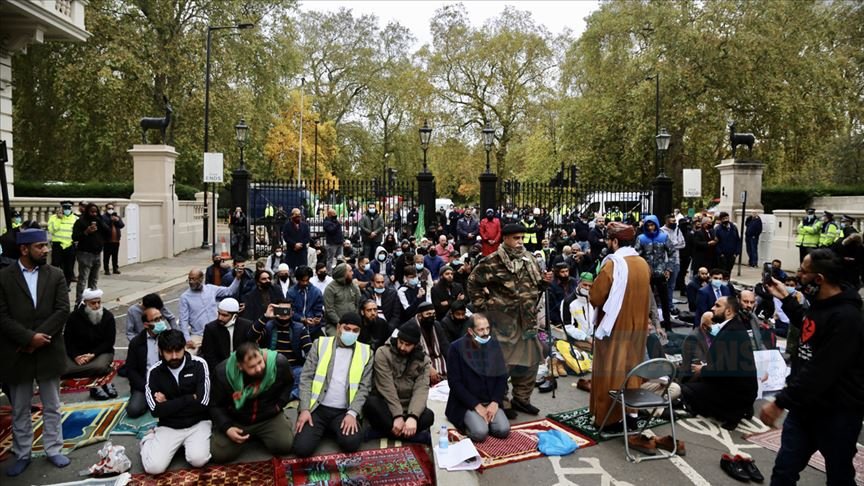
pixel 420 232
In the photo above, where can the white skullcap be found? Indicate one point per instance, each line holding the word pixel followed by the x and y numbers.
pixel 90 294
pixel 229 305
pixel 536 211
pixel 283 267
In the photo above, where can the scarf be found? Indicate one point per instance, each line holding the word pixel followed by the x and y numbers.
pixel 429 338
pixel 616 293
pixel 235 378
pixel 514 259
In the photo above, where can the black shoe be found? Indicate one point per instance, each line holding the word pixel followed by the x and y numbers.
pixel 110 390
pixel 548 386
pixel 116 272
pixel 107 272
pixel 734 468
pixel 539 381
pixel 524 407
pixel 510 413
pixel 750 468
pixel 730 424
pixel 98 394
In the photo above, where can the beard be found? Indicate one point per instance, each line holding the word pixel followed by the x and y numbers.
pixel 175 363
pixel 39 262
pixel 94 316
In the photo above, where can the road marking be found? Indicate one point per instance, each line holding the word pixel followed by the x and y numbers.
pixel 689 472
pixel 710 428
pixel 594 468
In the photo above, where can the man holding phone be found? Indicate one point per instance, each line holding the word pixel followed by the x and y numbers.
pixel 278 331
pixel 89 234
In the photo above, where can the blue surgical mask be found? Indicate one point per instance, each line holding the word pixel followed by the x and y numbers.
pixel 790 290
pixel 414 282
pixel 159 327
pixel 418 266
pixel 482 340
pixel 715 329
pixel 349 338
pixel 456 262
pixel 398 253
pixel 382 257
pixel 379 291
pixel 717 284
pixel 367 266
pixel 67 212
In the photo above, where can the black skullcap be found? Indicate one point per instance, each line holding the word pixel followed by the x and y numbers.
pixel 512 229
pixel 410 333
pixel 351 317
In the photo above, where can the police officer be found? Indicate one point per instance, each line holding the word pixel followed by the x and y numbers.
pixel 62 249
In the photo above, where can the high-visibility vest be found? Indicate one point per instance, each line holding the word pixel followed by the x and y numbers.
pixel 614 216
pixel 530 236
pixel 808 234
pixel 355 372
pixel 60 228
pixel 269 211
pixel 830 235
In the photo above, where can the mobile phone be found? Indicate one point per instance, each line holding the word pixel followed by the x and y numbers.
pixel 282 311
pixel 767 274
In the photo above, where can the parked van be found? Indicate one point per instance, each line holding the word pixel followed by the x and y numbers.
pixel 443 203
pixel 599 203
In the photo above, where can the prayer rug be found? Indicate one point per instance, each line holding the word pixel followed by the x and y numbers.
pixel 403 466
pixel 77 385
pixel 83 424
pixel 5 431
pixel 580 420
pixel 137 426
pixel 771 441
pixel 520 445
pixel 263 473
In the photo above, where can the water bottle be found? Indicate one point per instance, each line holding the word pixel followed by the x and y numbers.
pixel 443 442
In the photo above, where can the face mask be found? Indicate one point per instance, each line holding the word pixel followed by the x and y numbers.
pixel 283 278
pixel 67 212
pixel 790 290
pixel 159 327
pixel 482 340
pixel 110 211
pixel 372 210
pixel 529 218
pixel 16 220
pixel 418 266
pixel 379 291
pixel 322 276
pixel 427 321
pixel 367 266
pixel 414 282
pixel 716 283
pixel 508 215
pixel 715 329
pixel 264 285
pixel 489 217
pixel 278 253
pixel 382 257
pixel 672 226
pixel 398 253
pixel 724 283
pixel 456 263
pixel 349 338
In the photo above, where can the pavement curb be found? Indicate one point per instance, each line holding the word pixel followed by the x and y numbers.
pixel 136 296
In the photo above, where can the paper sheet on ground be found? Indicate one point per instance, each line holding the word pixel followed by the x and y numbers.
pixel 461 456
pixel 771 370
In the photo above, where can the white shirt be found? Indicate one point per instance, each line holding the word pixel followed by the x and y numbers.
pixel 337 391
pixel 319 284
pixel 176 372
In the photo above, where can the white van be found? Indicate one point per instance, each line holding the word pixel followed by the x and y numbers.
pixel 599 203
pixel 443 203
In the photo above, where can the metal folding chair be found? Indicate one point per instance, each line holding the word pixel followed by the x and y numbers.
pixel 640 399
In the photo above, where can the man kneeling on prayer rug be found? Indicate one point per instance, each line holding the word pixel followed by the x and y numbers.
pixel 178 393
pixel 89 337
pixel 397 405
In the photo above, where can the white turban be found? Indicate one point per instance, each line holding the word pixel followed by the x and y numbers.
pixel 90 294
pixel 229 305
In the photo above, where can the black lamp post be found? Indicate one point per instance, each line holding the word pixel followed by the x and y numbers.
pixel 316 152
pixel 488 141
pixel 662 140
pixel 425 135
pixel 241 131
pixel 210 28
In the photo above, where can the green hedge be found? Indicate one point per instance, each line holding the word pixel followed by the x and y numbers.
pixel 786 197
pixel 97 190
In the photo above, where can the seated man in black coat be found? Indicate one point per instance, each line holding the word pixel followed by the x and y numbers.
pixel 724 388
pixel 89 338
pixel 375 331
pixel 387 300
pixel 255 302
pixel 694 349
pixel 250 389
pixel 455 323
pixel 223 335
pixel 478 383
pixel 433 340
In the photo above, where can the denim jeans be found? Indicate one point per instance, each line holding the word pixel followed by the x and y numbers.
pixel 752 250
pixel 295 389
pixel 673 278
pixel 833 433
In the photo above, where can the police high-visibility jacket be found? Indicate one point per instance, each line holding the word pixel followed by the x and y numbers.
pixel 614 216
pixel 320 360
pixel 60 228
pixel 530 235
pixel 808 234
pixel 830 234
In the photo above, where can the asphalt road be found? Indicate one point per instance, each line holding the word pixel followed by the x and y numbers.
pixel 602 464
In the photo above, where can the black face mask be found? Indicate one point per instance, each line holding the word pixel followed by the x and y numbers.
pixel 264 285
pixel 427 321
pixel 322 276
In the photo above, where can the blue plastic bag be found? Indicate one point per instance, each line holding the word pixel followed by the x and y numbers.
pixel 556 443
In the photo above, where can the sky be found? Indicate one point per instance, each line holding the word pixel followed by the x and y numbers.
pixel 415 14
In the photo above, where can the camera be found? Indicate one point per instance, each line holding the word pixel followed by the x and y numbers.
pixel 282 311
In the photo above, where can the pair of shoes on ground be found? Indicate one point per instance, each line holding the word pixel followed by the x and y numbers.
pixel 21 465
pixel 649 445
pixel 741 468
pixel 584 384
pixel 104 392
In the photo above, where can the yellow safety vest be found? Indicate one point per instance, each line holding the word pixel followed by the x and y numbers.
pixel 530 236
pixel 60 228
pixel 355 373
pixel 268 211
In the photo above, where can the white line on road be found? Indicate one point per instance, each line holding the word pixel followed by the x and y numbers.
pixel 688 471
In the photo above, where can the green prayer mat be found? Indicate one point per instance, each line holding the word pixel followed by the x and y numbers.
pixel 581 421
pixel 137 426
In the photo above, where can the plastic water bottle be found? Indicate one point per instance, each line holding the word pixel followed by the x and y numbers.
pixel 443 442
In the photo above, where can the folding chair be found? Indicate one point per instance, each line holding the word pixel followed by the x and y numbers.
pixel 640 399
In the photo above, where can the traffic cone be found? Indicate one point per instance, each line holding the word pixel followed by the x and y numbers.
pixel 225 255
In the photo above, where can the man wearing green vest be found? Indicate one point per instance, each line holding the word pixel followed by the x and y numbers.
pixel 807 237
pixel 830 231
pixel 62 250
pixel 334 384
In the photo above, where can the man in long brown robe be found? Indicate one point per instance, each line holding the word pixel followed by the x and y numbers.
pixel 619 343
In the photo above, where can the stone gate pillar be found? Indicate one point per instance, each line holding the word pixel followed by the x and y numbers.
pixel 153 167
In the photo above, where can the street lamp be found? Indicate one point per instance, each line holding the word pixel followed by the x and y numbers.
pixel 241 131
pixel 210 29
pixel 316 152
pixel 488 140
pixel 425 135
pixel 662 140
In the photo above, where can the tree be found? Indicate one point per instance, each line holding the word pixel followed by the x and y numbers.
pixel 283 141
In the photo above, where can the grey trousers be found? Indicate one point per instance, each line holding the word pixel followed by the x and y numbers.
pixel 477 428
pixel 98 366
pixel 88 272
pixel 21 396
pixel 333 252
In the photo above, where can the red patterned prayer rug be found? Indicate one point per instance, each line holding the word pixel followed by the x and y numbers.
pixel 771 441
pixel 521 445
pixel 77 385
pixel 5 430
pixel 399 466
pixel 261 473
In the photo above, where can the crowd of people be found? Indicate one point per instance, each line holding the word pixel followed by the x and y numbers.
pixel 355 336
